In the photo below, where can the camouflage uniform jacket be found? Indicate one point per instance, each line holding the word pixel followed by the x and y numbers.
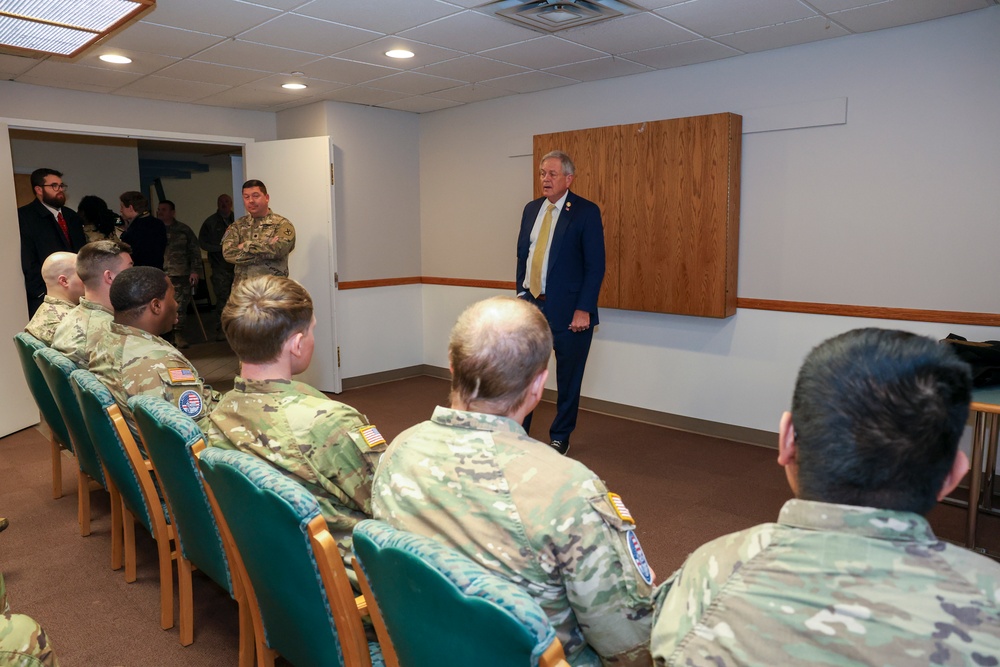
pixel 210 238
pixel 48 316
pixel 318 442
pixel 480 485
pixel 23 643
pixel 131 362
pixel 832 585
pixel 259 246
pixel 183 254
pixel 81 330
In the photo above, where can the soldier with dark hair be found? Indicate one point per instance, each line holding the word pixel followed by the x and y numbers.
pixel 259 242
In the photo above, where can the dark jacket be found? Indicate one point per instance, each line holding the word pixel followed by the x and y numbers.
pixel 40 237
pixel 148 238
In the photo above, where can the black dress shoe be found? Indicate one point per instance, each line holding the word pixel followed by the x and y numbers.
pixel 560 446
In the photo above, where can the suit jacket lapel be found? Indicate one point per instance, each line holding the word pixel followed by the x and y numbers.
pixel 562 224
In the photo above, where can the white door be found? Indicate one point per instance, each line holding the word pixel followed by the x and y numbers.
pixel 17 408
pixel 298 174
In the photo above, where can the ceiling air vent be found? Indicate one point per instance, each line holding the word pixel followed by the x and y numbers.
pixel 555 15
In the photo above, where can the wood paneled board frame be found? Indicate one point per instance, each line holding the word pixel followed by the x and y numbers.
pixel 669 193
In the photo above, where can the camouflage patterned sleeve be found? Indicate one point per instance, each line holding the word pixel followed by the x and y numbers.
pixel 194 253
pixel 233 239
pixel 275 239
pixel 171 377
pixel 24 642
pixel 609 591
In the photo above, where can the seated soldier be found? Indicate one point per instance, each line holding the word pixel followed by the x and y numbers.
pixel 97 264
pixel 473 479
pixel 851 573
pixel 328 447
pixel 63 289
pixel 131 358
pixel 23 642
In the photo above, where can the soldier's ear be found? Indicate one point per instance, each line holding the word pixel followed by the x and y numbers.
pixel 959 467
pixel 155 306
pixel 786 440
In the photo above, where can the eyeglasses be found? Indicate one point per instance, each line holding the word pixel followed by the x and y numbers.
pixel 56 186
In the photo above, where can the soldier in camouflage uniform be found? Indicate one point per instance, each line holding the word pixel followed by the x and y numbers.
pixel 131 358
pixel 182 262
pixel 97 264
pixel 23 642
pixel 63 289
pixel 851 574
pixel 328 447
pixel 259 242
pixel 210 237
pixel 473 479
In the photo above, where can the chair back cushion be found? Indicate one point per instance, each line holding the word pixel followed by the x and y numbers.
pixel 267 514
pixel 442 609
pixel 95 399
pixel 56 368
pixel 169 435
pixel 27 345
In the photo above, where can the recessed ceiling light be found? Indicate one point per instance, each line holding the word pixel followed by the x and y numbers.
pixel 294 86
pixel 399 53
pixel 117 60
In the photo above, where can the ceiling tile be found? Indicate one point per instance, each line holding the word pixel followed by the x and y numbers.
pixel 530 82
pixel 344 71
pixel 629 33
pixel 601 68
pixel 720 17
pixel 471 69
pixel 162 88
pixel 469 32
pixel 219 17
pixel 655 4
pixel 374 53
pixel 385 16
pixel 11 66
pixel 142 63
pixel 827 6
pixel 70 85
pixel 362 95
pixel 471 93
pixel 283 5
pixel 901 12
pixel 305 33
pixel 543 52
pixel 420 104
pixel 315 87
pixel 678 55
pixel 150 38
pixel 256 56
pixel 785 34
pixel 248 95
pixel 192 70
pixel 52 73
pixel 413 83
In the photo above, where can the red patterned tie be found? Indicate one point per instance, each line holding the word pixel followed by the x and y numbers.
pixel 62 225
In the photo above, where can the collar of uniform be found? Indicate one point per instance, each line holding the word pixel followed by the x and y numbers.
pixel 865 521
pixel 128 330
pixel 261 386
pixel 56 302
pixel 478 421
pixel 93 305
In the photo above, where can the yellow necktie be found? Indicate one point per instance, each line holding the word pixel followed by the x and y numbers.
pixel 538 259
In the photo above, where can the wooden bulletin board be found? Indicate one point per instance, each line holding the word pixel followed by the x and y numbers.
pixel 669 193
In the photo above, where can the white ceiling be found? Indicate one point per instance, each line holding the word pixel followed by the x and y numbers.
pixel 237 54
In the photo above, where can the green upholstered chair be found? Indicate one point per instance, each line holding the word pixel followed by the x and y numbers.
pixel 170 437
pixel 131 474
pixel 440 608
pixel 56 369
pixel 27 345
pixel 300 597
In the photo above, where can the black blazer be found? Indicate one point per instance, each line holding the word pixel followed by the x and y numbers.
pixel 40 237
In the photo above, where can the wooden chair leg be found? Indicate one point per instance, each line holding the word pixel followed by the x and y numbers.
pixel 166 583
pixel 246 634
pixel 57 489
pixel 117 526
pixel 128 525
pixel 83 502
pixel 185 599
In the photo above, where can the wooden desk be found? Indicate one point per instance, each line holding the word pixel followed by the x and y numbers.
pixel 986 406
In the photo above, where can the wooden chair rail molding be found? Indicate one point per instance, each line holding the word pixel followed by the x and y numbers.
pixel 876 312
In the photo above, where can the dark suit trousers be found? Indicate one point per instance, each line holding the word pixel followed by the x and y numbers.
pixel 572 349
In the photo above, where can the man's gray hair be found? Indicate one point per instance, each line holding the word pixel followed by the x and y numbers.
pixel 567 162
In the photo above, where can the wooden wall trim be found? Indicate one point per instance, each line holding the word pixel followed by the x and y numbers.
pixel 877 312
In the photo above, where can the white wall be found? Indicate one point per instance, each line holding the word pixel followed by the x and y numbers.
pixel 866 213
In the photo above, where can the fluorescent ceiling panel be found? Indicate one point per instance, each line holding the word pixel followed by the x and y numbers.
pixel 63 27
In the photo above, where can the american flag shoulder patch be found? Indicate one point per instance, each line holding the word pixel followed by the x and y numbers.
pixel 371 435
pixel 620 509
pixel 181 375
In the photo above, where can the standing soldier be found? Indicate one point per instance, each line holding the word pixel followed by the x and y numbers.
pixel 182 262
pixel 259 242
pixel 210 236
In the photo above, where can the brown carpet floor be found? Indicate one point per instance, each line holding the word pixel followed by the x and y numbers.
pixel 683 489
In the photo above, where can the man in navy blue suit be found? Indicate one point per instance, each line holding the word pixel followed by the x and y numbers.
pixel 560 268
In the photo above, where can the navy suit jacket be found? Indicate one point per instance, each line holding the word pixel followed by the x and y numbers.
pixel 40 237
pixel 576 259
